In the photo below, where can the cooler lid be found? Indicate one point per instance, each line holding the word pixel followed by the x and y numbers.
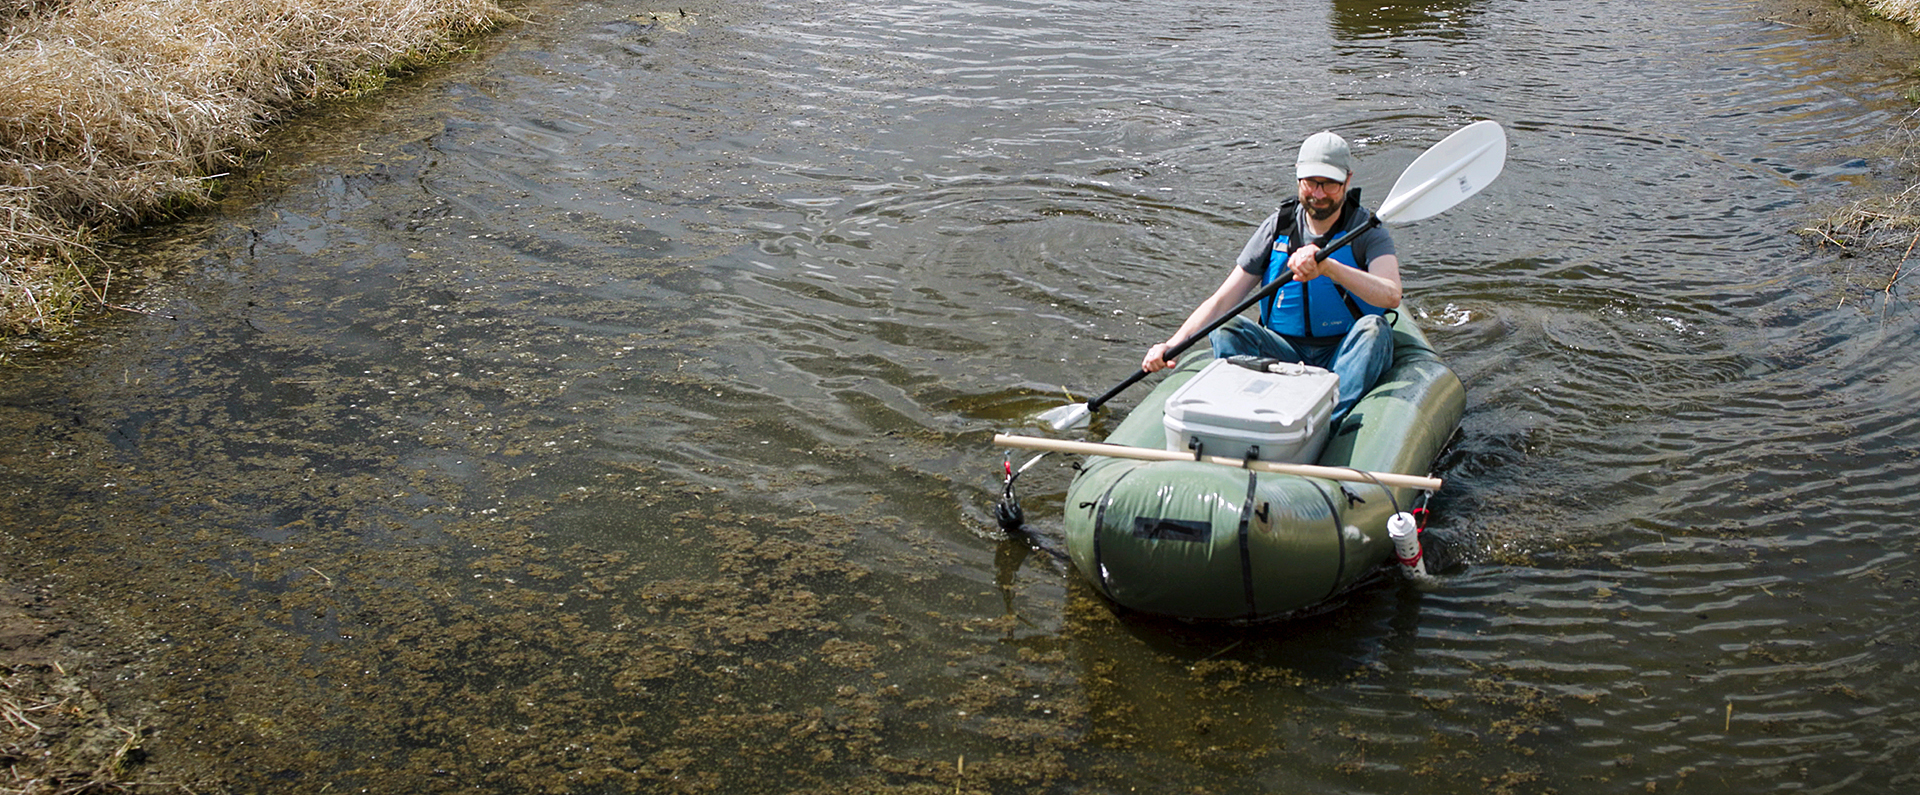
pixel 1226 395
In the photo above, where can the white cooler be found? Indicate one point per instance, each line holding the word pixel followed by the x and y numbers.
pixel 1237 412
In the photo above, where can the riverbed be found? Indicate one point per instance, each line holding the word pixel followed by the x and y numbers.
pixel 610 411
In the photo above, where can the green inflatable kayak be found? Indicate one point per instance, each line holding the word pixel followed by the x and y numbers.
pixel 1203 541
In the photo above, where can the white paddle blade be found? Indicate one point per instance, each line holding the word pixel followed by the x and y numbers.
pixel 1061 418
pixel 1444 175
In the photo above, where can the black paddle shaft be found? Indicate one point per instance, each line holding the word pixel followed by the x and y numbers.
pixel 1265 291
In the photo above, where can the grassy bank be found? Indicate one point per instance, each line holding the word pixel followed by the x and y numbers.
pixel 116 111
pixel 1905 12
pixel 1882 227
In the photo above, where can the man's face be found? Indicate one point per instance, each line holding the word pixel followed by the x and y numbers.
pixel 1322 197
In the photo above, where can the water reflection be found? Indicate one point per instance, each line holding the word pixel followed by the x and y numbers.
pixel 1358 20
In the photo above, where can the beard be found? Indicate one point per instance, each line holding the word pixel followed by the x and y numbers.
pixel 1320 209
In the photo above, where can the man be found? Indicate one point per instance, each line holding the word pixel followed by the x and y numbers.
pixel 1330 314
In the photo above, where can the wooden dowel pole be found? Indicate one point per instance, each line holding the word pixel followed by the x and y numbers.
pixel 1149 454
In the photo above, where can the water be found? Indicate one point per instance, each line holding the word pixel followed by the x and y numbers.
pixel 611 411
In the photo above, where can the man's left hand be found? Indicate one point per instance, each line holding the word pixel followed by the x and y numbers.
pixel 1304 264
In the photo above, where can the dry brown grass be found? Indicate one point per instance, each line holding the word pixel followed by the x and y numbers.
pixel 1905 12
pixel 1876 236
pixel 112 111
pixel 1878 233
pixel 56 738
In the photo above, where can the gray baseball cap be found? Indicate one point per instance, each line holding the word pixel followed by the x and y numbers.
pixel 1324 155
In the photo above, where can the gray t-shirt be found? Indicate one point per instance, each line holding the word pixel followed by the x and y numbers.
pixel 1369 246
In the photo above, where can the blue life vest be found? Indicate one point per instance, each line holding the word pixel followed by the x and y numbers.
pixel 1316 308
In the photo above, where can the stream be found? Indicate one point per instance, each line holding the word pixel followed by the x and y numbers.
pixel 610 410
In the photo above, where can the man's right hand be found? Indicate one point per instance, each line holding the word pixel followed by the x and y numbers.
pixel 1156 359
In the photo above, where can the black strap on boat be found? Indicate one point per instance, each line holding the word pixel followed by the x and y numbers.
pixel 1246 544
pixel 1339 538
pixel 1099 572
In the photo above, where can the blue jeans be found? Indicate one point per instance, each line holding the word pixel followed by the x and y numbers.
pixel 1358 359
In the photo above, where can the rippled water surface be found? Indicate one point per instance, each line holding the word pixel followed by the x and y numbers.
pixel 610 412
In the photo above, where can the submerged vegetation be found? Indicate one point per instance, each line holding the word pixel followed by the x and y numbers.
pixel 116 111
